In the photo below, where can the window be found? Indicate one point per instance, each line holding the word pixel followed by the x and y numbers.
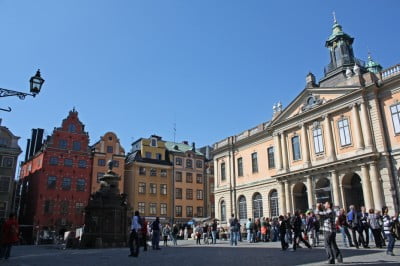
pixel 110 149
pixel 344 132
pixel 153 172
pixel 5 183
pixel 240 166
pixel 158 156
pixel 242 208
pixel 80 184
pixel 318 144
pixel 141 207
pixel 48 206
pixel 199 194
pixel 153 208
pixel 8 162
pixel 189 193
pixel 254 162
pixel 79 207
pixel 178 176
pixel 76 146
pixel 53 161
pixel 153 142
pixel 82 164
pixel 153 188
pixel 189 178
pixel 64 207
pixel 66 183
pixel 199 164
pixel 72 128
pixel 142 188
pixel 257 206
pixel 223 211
pixel 101 162
pixel 223 177
pixel 62 144
pixel 178 211
pixel 148 155
pixel 199 179
pixel 199 211
pixel 142 170
pixel 189 211
pixel 178 161
pixel 395 111
pixel 51 182
pixel 115 163
pixel 163 173
pixel 99 175
pixel 271 157
pixel 296 148
pixel 4 141
pixel 273 204
pixel 68 162
pixel 189 163
pixel 178 193
pixel 163 189
pixel 163 209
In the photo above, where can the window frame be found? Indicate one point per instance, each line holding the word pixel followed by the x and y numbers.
pixel 240 166
pixel 296 149
pixel 254 162
pixel 271 157
pixel 318 140
pixel 343 130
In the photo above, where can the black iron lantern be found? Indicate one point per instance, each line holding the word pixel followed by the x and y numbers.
pixel 36 83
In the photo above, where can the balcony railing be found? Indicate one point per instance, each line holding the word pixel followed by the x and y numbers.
pixel 392 71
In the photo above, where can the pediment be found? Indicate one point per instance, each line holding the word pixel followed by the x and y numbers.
pixel 308 100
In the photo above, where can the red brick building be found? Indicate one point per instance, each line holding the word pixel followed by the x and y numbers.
pixel 55 180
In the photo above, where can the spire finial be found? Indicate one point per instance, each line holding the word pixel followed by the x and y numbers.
pixel 334 17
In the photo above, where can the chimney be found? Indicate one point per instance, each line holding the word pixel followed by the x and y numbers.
pixel 193 146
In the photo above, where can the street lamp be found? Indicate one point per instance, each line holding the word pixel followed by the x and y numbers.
pixel 36 83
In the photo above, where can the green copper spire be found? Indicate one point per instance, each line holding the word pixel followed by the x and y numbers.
pixel 337 32
pixel 373 66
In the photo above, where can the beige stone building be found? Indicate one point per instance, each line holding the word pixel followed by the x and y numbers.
pixel 148 179
pixel 106 149
pixel 338 140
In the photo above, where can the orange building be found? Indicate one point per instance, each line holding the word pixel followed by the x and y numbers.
pixel 107 148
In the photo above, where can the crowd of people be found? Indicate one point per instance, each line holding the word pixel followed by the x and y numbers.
pixel 357 228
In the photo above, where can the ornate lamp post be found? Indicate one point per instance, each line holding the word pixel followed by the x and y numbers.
pixel 36 83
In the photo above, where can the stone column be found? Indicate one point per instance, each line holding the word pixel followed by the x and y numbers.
pixel 305 147
pixel 330 144
pixel 310 192
pixel 366 186
pixel 366 126
pixel 284 152
pixel 278 151
pixel 358 138
pixel 335 187
pixel 288 197
pixel 376 186
pixel 282 200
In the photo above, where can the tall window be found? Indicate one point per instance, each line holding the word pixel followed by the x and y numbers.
pixel 189 211
pixel 51 182
pixel 142 170
pixel 199 194
pixel 395 110
pixel 178 161
pixel 79 208
pixel 163 189
pixel 142 188
pixel 153 172
pixel 273 204
pixel 318 144
pixel 199 164
pixel 223 211
pixel 53 161
pixel 163 173
pixel 178 176
pixel 163 208
pixel 200 212
pixel 101 162
pixel 153 142
pixel 178 211
pixel 189 178
pixel 240 166
pixel 242 208
pixel 296 148
pixel 48 206
pixel 62 144
pixel 110 149
pixel 72 128
pixel 5 183
pixel 189 193
pixel 254 162
pixel 271 157
pixel 80 184
pixel 189 163
pixel 64 207
pixel 344 132
pixel 66 183
pixel 223 176
pixel 68 162
pixel 141 207
pixel 178 193
pixel 153 208
pixel 153 188
pixel 199 178
pixel 257 206
pixel 76 145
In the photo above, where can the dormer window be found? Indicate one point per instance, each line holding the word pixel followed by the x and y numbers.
pixel 153 142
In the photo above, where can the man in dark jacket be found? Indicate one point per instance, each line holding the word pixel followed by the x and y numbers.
pixel 282 232
pixel 296 226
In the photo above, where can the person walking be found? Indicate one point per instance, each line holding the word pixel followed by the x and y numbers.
pixel 174 234
pixel 388 223
pixel 134 236
pixel 282 233
pixel 296 225
pixel 155 229
pixel 353 219
pixel 144 233
pixel 234 230
pixel 10 233
pixel 344 227
pixel 214 229
pixel 249 228
pixel 198 232
pixel 328 217
pixel 364 227
pixel 376 230
pixel 310 227
pixel 165 233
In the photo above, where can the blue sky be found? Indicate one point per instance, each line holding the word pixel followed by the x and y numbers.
pixel 215 68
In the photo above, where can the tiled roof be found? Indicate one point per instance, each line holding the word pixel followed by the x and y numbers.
pixel 180 147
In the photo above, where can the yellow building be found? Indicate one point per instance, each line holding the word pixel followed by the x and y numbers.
pixel 148 179
pixel 106 149
pixel 338 140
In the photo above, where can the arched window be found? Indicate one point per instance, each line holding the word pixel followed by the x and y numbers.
pixel 273 203
pixel 223 211
pixel 242 208
pixel 257 206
